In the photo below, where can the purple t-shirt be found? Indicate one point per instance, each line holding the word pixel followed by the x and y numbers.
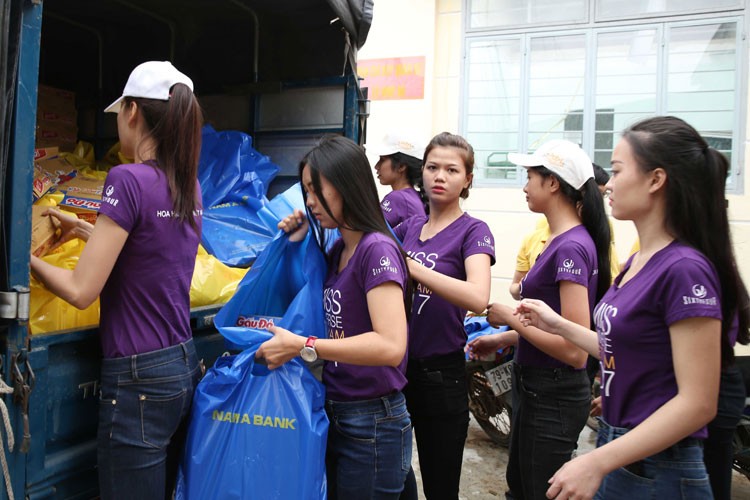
pixel 145 303
pixel 571 256
pixel 376 260
pixel 399 205
pixel 633 321
pixel 437 327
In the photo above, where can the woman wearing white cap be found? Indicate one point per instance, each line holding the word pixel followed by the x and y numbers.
pixel 666 327
pixel 400 166
pixel 551 394
pixel 139 260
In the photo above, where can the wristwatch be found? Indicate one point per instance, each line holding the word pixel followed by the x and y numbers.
pixel 308 353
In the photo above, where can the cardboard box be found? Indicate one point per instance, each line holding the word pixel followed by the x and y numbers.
pixel 43 231
pixel 45 153
pixel 42 183
pixel 59 169
pixel 53 93
pixel 83 196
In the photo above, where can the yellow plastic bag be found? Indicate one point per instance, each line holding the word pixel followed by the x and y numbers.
pixel 213 282
pixel 50 313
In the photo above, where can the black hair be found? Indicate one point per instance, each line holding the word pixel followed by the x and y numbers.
pixel 448 140
pixel 594 219
pixel 413 174
pixel 695 212
pixel 600 175
pixel 175 126
pixel 345 166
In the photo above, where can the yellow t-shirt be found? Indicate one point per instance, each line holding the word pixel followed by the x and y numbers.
pixel 534 242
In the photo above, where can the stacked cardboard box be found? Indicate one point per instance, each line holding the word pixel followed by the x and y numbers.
pixel 56 119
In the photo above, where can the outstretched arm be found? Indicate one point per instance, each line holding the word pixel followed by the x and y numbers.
pixel 82 285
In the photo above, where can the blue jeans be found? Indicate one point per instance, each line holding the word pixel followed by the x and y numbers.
pixel 718 449
pixel 675 473
pixel 369 448
pixel 550 407
pixel 143 410
pixel 438 401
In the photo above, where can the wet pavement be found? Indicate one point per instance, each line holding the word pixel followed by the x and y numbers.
pixel 483 473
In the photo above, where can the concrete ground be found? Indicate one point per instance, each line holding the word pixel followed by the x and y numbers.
pixel 483 473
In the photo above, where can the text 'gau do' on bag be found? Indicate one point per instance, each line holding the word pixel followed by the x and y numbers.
pixel 283 288
pixel 255 433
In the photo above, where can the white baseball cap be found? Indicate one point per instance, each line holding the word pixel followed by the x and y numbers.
pixel 562 157
pixel 152 80
pixel 398 142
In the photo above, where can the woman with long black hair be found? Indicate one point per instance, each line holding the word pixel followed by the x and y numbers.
pixel 666 327
pixel 551 389
pixel 366 297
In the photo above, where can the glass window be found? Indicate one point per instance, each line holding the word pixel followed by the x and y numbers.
pixel 557 75
pixel 609 9
pixel 493 105
pixel 511 13
pixel 588 84
pixel 701 80
pixel 626 82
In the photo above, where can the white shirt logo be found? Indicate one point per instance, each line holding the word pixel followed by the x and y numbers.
pixel 385 261
pixel 699 291
pixel 386 203
pixel 110 190
pixel 487 240
pixel 568 263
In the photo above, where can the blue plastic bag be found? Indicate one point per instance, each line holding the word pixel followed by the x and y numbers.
pixel 283 288
pixel 230 170
pixel 234 180
pixel 477 326
pixel 255 433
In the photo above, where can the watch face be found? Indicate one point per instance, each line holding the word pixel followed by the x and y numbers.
pixel 308 354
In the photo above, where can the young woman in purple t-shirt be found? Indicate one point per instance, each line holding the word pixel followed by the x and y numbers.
pixel 664 328
pixel 551 390
pixel 400 167
pixel 450 257
pixel 139 259
pixel 366 297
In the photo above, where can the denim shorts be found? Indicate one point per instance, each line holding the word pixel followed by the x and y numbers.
pixel 369 447
pixel 675 473
pixel 143 410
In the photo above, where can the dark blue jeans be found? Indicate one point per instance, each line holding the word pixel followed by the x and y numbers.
pixel 675 473
pixel 438 401
pixel 369 448
pixel 718 448
pixel 550 407
pixel 145 401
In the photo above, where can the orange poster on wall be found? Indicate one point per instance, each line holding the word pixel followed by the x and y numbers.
pixel 394 78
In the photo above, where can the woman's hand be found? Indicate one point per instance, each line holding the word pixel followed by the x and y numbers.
pixel 295 225
pixel 532 312
pixel 486 345
pixel 498 314
pixel 596 407
pixel 578 479
pixel 281 348
pixel 72 227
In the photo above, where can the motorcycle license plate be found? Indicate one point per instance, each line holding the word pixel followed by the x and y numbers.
pixel 499 378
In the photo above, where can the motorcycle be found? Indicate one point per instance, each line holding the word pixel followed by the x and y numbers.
pixel 489 384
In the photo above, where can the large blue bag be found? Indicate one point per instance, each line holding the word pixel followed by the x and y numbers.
pixel 255 433
pixel 283 288
pixel 234 180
